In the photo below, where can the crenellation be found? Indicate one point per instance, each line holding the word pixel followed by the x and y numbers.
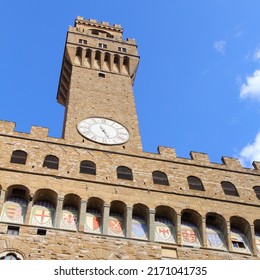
pixel 256 165
pixel 7 127
pixel 201 158
pixel 39 132
pixel 166 152
pixel 233 163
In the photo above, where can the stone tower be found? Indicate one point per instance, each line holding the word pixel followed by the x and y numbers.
pixel 94 194
pixel 97 75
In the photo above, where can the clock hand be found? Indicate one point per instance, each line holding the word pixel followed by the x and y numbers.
pixel 103 130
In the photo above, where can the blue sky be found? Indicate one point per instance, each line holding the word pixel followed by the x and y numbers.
pixel 198 82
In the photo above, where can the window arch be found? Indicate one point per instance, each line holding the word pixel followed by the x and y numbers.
pixel 94 211
pixel 19 157
pixel 15 206
pixel 51 162
pixel 117 219
pixel 140 218
pixel 195 183
pixel 240 231
pixel 160 178
pixel 124 172
pixel 87 167
pixel 257 235
pixel 229 188
pixel 10 256
pixel 44 208
pixel 216 230
pixel 70 212
pixel 191 228
pixel 257 191
pixel 164 227
pixel 78 52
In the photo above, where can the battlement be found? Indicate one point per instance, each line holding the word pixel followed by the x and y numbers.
pixel 164 153
pixel 94 23
pixel 102 29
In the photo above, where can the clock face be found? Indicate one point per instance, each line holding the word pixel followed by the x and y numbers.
pixel 103 131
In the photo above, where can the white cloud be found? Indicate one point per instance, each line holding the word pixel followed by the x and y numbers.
pixel 256 55
pixel 219 46
pixel 251 152
pixel 252 86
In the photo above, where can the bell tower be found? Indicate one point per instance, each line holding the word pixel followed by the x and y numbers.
pixel 95 87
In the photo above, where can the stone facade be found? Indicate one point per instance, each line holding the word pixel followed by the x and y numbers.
pixel 72 198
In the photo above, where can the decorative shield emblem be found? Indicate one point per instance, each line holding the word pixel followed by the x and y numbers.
pixel 42 216
pixel 69 219
pixel 214 240
pixel 13 211
pixel 189 235
pixel 116 226
pixel 93 223
pixel 139 228
pixel 164 232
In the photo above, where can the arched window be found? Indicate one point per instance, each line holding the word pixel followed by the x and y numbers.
pixel 70 212
pixel 216 230
pixel 87 167
pixel 51 162
pixel 195 183
pixel 116 223
pixel 94 210
pixel 164 227
pixel 160 178
pixel 19 157
pixel 44 207
pixel 15 206
pixel 78 51
pixel 10 257
pixel 190 228
pixel 124 172
pixel 240 232
pixel 257 191
pixel 140 218
pixel 229 188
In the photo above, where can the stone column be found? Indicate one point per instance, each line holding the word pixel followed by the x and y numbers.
pixel 82 215
pixel 228 240
pixel 102 57
pixel 203 233
pixel 105 218
pixel 28 212
pixel 253 240
pixel 129 215
pixel 58 212
pixel 2 199
pixel 151 224
pixel 178 229
pixel 83 55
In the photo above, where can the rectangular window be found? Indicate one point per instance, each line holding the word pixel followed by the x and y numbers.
pixel 102 75
pixel 81 41
pixel 41 231
pixel 120 49
pixel 103 46
pixel 238 244
pixel 11 230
